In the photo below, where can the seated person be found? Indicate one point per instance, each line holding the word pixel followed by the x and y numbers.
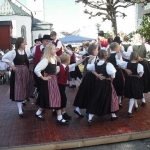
pixel 4 71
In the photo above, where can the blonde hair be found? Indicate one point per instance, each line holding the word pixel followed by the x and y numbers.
pixel 47 51
pixel 137 39
pixel 64 58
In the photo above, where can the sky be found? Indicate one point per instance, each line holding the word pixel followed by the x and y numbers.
pixel 65 15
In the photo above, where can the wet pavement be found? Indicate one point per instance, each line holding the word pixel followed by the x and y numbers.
pixel 16 131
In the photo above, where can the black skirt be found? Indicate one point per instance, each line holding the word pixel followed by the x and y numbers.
pixel 118 82
pixel 100 103
pixel 133 88
pixel 145 79
pixel 76 73
pixel 85 92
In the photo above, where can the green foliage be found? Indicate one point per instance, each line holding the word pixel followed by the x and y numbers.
pixel 145 29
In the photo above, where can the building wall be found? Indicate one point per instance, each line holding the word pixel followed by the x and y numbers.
pixel 35 34
pixel 18 22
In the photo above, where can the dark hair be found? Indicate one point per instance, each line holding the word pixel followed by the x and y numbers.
pixel 102 54
pixel 53 33
pixel 134 56
pixel 18 42
pixel 91 48
pixel 101 33
pixel 113 45
pixel 110 40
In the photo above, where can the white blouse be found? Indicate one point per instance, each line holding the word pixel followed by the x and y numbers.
pixel 44 63
pixel 10 56
pixel 118 61
pixel 140 69
pixel 127 54
pixel 110 69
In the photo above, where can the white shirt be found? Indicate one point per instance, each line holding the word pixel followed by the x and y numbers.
pixel 3 66
pixel 44 63
pixel 10 56
pixel 110 69
pixel 130 50
pixel 59 45
pixel 140 69
pixel 34 50
pixel 71 53
pixel 83 52
pixel 2 53
pixel 118 61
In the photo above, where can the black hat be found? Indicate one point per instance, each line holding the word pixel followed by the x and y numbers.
pixel 117 39
pixel 69 45
pixel 38 40
pixel 101 33
pixel 46 37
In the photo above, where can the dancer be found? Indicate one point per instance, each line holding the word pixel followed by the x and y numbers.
pixel 86 89
pixel 62 75
pixel 20 73
pixel 76 74
pixel 100 103
pixel 49 95
pixel 115 58
pixel 133 89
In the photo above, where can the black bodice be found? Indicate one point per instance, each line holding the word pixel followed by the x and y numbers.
pixel 133 68
pixel 112 59
pixel 101 69
pixel 21 59
pixel 50 69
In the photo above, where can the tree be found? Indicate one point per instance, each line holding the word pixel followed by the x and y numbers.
pixel 108 9
pixel 145 29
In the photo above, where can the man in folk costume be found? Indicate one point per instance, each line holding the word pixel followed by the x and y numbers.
pixel 102 40
pixel 38 42
pixel 57 43
pixel 37 54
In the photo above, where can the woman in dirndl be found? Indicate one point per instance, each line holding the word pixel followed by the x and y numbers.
pixel 49 95
pixel 18 60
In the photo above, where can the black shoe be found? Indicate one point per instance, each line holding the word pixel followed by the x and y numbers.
pixel 143 104
pixel 66 116
pixel 80 115
pixel 130 115
pixel 40 117
pixel 62 122
pixel 72 86
pixel 120 105
pixel 24 103
pixel 136 108
pixel 21 114
pixel 27 99
pixel 90 122
pixel 54 113
pixel 114 118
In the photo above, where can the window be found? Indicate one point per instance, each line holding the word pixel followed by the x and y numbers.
pixel 23 33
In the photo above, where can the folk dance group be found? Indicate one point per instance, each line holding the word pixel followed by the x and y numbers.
pixel 106 77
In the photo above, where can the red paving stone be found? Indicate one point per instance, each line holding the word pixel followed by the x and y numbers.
pixel 16 131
